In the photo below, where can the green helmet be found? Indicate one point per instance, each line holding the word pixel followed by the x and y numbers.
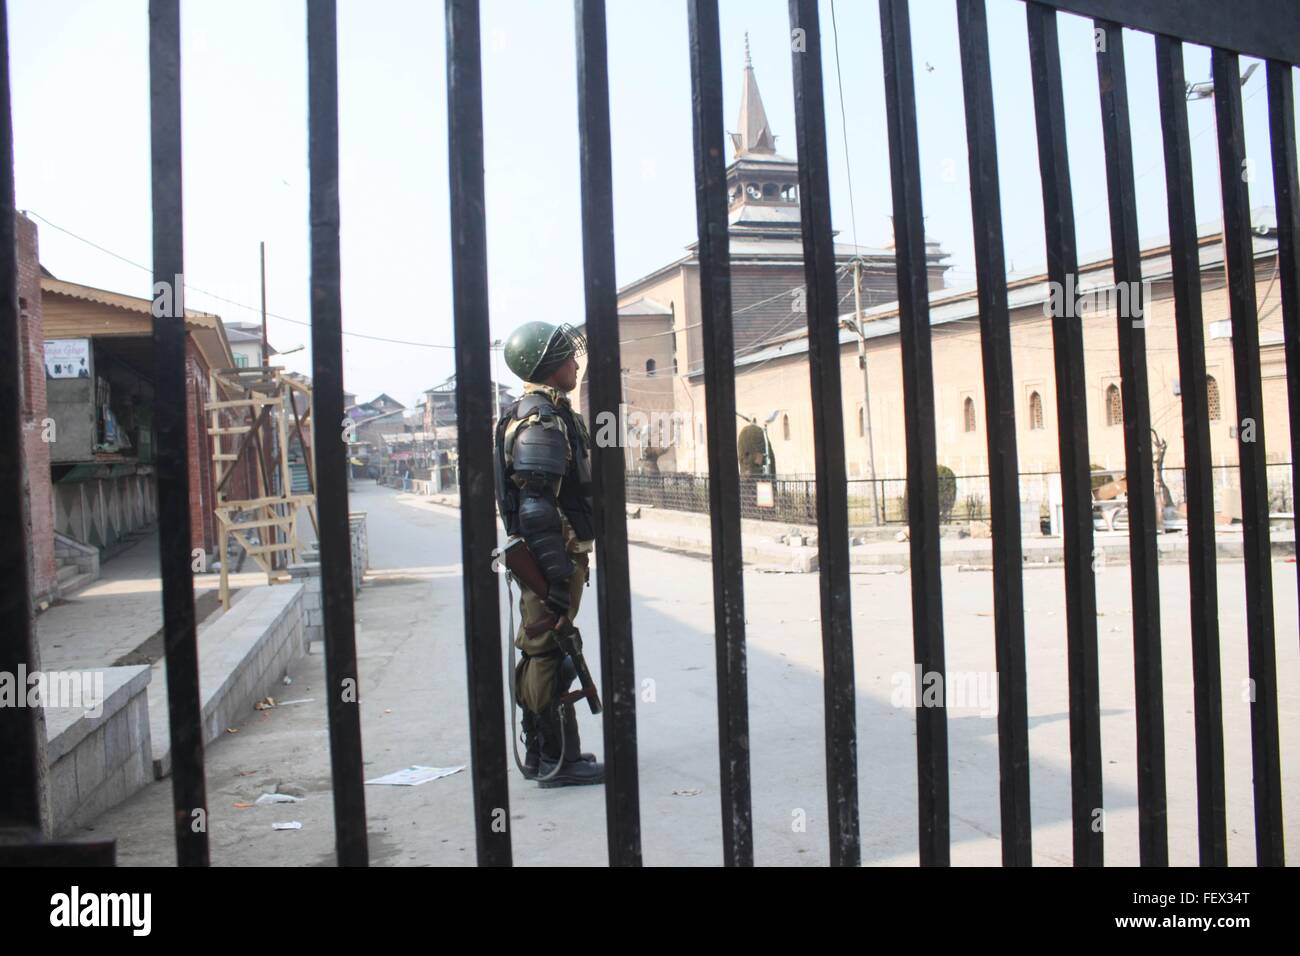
pixel 536 349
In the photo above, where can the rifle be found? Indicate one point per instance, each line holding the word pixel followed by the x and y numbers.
pixel 520 562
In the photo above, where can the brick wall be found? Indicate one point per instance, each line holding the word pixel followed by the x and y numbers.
pixel 31 335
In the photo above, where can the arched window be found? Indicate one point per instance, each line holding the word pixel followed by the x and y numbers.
pixel 785 427
pixel 968 414
pixel 1035 411
pixel 1114 406
pixel 649 368
pixel 862 423
pixel 1212 398
pixel 769 190
pixel 701 433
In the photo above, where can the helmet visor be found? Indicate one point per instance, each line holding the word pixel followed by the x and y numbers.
pixel 567 341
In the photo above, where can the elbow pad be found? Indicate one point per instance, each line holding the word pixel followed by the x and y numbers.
pixel 539 523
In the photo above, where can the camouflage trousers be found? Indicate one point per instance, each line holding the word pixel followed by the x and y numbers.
pixel 537 674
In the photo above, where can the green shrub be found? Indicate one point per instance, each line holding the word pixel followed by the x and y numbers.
pixel 947 494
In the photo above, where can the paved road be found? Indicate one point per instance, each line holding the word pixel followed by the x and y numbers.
pixel 414 712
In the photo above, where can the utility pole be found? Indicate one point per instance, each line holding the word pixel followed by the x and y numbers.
pixel 269 451
pixel 866 387
pixel 622 421
pixel 266 357
pixel 437 452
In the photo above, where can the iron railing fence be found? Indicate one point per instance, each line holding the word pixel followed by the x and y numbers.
pixel 791 499
pixel 1258 28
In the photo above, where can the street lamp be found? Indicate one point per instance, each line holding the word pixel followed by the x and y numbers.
pixel 1203 91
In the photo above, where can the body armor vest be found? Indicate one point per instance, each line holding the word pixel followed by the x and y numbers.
pixel 574 495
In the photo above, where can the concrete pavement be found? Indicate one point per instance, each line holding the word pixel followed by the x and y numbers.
pixel 413 700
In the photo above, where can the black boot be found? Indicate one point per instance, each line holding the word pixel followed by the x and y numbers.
pixel 532 744
pixel 560 730
pixel 531 728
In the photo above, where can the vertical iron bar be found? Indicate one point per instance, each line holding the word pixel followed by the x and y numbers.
pixel 918 412
pixel 1000 414
pixel 1239 256
pixel 189 797
pixel 1286 190
pixel 1072 421
pixel 22 729
pixel 720 409
pixel 1211 799
pixel 1126 257
pixel 474 384
pixel 613 592
pixel 342 691
pixel 828 437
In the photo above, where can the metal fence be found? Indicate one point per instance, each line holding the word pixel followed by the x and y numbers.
pixel 791 499
pixel 1252 27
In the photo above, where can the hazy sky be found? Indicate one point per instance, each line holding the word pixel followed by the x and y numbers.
pixel 80 81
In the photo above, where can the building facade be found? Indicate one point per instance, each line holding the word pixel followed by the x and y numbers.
pixel 660 333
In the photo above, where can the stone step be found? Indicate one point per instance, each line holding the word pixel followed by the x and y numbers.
pixel 74 584
pixel 98 755
pixel 243 654
pixel 66 572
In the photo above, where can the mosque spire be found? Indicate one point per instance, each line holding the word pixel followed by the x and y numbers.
pixel 755 134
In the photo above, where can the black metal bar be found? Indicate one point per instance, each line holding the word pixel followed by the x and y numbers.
pixel 613 589
pixel 487 730
pixel 342 690
pixel 22 729
pixel 1072 420
pixel 1286 190
pixel 1207 691
pixel 1000 413
pixel 171 457
pixel 1144 571
pixel 828 437
pixel 1239 256
pixel 720 409
pixel 918 413
pixel 1263 28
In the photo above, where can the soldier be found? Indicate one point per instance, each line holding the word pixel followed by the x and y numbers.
pixel 544 492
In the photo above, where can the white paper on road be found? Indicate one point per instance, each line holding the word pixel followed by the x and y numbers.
pixel 276 798
pixel 414 776
pixel 292 825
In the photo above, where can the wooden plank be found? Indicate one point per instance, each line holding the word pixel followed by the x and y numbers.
pixel 263 523
pixel 242 402
pixel 249 504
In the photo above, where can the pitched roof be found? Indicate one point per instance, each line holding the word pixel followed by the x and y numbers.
pixel 755 134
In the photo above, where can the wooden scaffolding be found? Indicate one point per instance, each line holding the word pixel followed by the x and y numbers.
pixel 262 415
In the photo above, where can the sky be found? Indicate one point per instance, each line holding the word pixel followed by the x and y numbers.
pixel 79 72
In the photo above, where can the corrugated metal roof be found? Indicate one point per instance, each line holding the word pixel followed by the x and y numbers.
pixel 644 306
pixel 953 305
